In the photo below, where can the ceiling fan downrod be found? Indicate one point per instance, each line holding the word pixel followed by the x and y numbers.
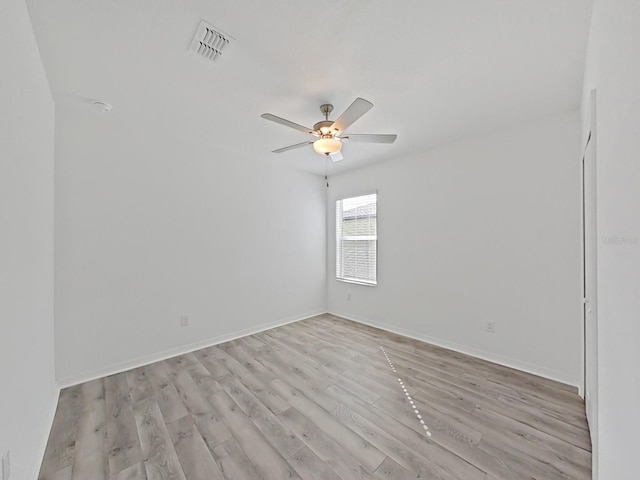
pixel 326 109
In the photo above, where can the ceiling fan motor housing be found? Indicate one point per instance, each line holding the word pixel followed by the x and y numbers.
pixel 323 127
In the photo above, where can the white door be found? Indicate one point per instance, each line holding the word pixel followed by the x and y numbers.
pixel 590 283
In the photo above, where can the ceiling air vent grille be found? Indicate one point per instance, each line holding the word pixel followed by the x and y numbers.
pixel 209 42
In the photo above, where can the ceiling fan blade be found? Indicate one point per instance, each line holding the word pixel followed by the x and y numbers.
pixel 336 157
pixel 370 138
pixel 287 123
pixel 359 107
pixel 292 147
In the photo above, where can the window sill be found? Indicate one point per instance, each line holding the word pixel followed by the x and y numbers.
pixel 357 282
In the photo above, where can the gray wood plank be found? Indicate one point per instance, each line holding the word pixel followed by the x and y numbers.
pixel 367 454
pixel 273 430
pixel 187 362
pixel 215 367
pixel 426 457
pixel 391 470
pixel 165 392
pixel 242 354
pixel 140 388
pixel 193 453
pixel 423 456
pixel 233 462
pixel 134 472
pixel 326 448
pixel 310 467
pixel 464 446
pixel 123 443
pixel 211 428
pixel 192 397
pixel 259 388
pixel 62 474
pixel 90 461
pixel 268 461
pixel 305 382
pixel 161 460
pixel 61 445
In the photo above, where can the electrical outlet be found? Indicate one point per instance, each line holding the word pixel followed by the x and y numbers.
pixel 6 465
pixel 185 320
pixel 491 327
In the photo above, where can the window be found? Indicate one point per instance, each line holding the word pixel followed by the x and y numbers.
pixel 357 239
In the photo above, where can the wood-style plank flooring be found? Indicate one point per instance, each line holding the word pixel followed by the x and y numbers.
pixel 318 399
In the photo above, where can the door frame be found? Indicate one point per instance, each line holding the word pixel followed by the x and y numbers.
pixel 591 399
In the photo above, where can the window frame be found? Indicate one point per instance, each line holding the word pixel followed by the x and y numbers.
pixel 339 260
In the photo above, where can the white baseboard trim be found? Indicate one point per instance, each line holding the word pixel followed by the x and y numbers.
pixel 474 352
pixel 180 350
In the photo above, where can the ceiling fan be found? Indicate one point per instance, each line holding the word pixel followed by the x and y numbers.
pixel 330 134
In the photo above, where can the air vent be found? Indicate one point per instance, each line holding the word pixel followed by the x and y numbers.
pixel 209 42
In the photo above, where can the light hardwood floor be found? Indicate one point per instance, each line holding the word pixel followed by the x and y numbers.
pixel 318 399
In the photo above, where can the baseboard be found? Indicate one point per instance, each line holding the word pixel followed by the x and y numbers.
pixel 180 350
pixel 484 355
pixel 163 355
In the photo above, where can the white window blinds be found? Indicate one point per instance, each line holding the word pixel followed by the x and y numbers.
pixel 357 239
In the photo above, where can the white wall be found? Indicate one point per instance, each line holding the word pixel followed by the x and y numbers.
pixel 29 392
pixel 149 227
pixel 486 229
pixel 613 69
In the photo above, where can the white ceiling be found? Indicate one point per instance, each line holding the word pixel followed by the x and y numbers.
pixel 436 70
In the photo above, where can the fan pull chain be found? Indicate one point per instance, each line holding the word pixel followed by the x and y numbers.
pixel 326 170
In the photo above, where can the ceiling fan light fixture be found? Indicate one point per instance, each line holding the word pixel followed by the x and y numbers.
pixel 328 134
pixel 327 145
